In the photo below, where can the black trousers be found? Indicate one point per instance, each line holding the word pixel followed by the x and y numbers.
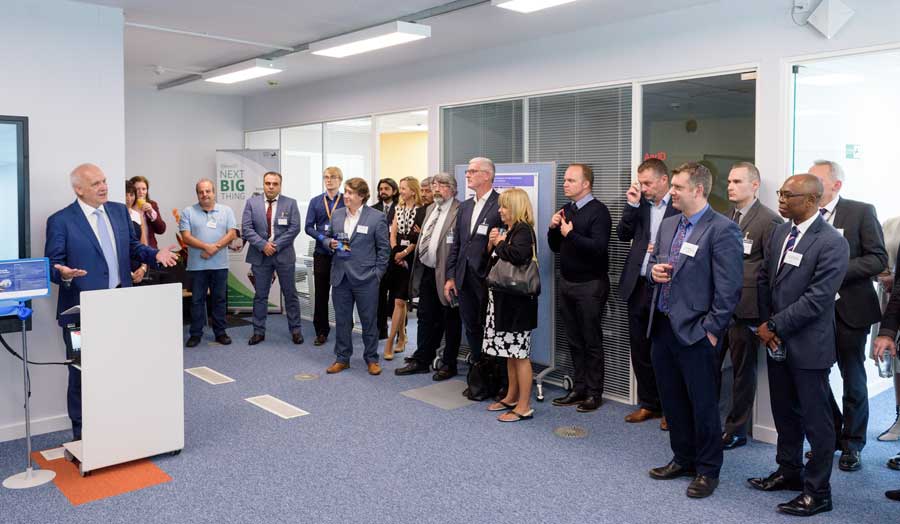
pixel 322 279
pixel 799 398
pixel 686 376
pixel 743 345
pixel 472 305
pixel 434 321
pixel 73 392
pixel 638 318
pixel 385 306
pixel 581 307
pixel 851 358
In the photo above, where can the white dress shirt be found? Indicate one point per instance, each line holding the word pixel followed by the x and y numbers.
pixel 657 214
pixel 429 254
pixel 829 209
pixel 479 205
pixel 351 221
pixel 802 227
pixel 92 220
pixel 274 214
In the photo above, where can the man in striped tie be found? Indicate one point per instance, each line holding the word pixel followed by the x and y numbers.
pixel 806 262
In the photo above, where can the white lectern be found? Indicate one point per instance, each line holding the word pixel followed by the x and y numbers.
pixel 132 383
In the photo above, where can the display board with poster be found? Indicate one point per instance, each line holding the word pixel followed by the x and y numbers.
pixel 534 178
pixel 239 176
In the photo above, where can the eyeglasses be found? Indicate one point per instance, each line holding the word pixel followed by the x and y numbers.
pixel 785 195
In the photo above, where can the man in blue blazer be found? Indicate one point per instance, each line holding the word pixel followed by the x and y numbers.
pixel 647 203
pixel 270 223
pixel 698 274
pixel 91 244
pixel 362 248
pixel 467 263
pixel 806 263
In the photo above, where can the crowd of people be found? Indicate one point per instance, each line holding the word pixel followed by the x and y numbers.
pixel 699 286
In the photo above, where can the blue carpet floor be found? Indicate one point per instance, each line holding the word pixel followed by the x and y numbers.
pixel 368 454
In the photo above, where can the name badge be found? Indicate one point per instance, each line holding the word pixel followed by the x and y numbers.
pixel 793 258
pixel 211 224
pixel 840 230
pixel 362 230
pixel 482 229
pixel 837 296
pixel 449 239
pixel 404 243
pixel 282 221
pixel 748 246
pixel 689 249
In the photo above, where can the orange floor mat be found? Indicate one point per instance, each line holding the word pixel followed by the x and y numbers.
pixel 103 483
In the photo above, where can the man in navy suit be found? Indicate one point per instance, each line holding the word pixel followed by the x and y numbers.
pixel 648 203
pixel 91 244
pixel 805 264
pixel 270 223
pixel 467 263
pixel 362 247
pixel 698 274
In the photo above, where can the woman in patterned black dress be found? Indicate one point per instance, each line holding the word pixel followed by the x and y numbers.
pixel 404 234
pixel 510 318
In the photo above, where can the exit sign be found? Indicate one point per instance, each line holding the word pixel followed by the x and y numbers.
pixel 853 152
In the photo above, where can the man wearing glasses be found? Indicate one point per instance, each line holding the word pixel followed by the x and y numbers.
pixel 467 263
pixel 318 226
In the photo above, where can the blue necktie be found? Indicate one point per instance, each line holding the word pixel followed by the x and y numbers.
pixel 109 253
pixel 674 253
pixel 792 239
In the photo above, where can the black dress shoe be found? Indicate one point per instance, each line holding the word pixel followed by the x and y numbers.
pixel 255 339
pixel 223 339
pixel 320 339
pixel 894 462
pixel 733 441
pixel 192 341
pixel 672 470
pixel 894 494
pixel 443 374
pixel 589 404
pixel 806 505
pixel 702 487
pixel 777 482
pixel 850 461
pixel 297 338
pixel 465 392
pixel 412 368
pixel 571 399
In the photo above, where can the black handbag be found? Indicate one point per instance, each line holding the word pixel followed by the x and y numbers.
pixel 524 280
pixel 485 378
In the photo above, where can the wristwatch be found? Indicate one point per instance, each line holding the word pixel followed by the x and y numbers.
pixel 771 325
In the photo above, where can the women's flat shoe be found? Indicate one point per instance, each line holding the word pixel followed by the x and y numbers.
pixel 518 416
pixel 503 406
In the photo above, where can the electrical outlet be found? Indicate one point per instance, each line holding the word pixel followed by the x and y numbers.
pixel 801 6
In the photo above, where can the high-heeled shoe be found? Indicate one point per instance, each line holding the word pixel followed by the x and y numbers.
pixel 388 350
pixel 401 341
pixel 892 433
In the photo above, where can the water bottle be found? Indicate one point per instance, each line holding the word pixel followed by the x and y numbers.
pixel 454 299
pixel 779 354
pixel 885 366
pixel 343 247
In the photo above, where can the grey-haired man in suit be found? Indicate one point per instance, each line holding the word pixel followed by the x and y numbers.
pixel 756 222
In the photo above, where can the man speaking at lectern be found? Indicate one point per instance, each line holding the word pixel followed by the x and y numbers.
pixel 90 244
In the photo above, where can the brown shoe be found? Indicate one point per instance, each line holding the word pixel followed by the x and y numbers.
pixel 663 425
pixel 374 368
pixel 641 414
pixel 337 367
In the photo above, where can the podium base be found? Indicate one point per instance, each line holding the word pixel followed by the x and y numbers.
pixel 29 479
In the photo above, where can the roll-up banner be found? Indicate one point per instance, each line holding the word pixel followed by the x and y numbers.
pixel 239 176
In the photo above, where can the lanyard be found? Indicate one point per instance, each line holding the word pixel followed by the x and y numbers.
pixel 325 202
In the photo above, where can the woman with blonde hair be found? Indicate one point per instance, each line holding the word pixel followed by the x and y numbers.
pixel 510 318
pixel 408 218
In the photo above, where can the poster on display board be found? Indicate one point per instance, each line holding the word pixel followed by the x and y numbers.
pixel 239 176
pixel 535 178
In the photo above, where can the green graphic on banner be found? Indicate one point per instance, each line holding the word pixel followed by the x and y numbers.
pixel 239 295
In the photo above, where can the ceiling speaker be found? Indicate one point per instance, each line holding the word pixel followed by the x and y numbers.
pixel 830 17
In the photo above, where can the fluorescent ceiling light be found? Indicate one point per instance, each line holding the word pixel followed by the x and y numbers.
pixel 385 35
pixel 243 71
pixel 528 6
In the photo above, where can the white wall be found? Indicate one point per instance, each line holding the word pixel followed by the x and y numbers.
pixel 726 34
pixel 171 138
pixel 63 69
